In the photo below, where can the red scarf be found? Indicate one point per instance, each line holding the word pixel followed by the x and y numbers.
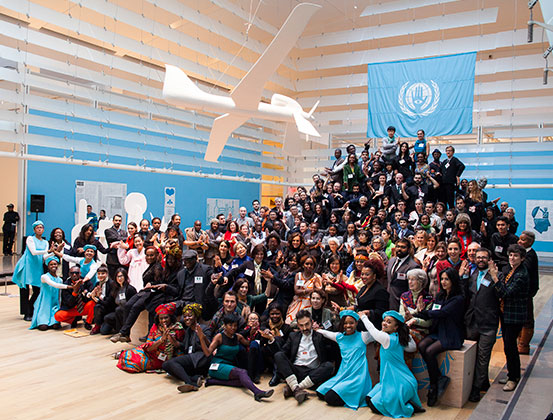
pixel 464 247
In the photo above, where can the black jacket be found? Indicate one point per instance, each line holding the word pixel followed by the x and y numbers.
pixel 69 300
pixel 191 285
pixel 451 170
pixel 483 311
pixel 532 266
pixel 499 245
pixel 291 346
pixel 376 299
pixel 112 235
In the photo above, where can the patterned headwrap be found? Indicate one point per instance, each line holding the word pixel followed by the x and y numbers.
pixel 175 252
pixel 394 314
pixel 38 223
pixel 361 257
pixel 195 308
pixel 349 312
pixel 51 258
pixel 93 247
pixel 166 309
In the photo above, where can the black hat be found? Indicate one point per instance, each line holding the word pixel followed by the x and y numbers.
pixel 437 151
pixel 10 205
pixel 190 254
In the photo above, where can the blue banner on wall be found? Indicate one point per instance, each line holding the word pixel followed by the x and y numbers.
pixel 435 94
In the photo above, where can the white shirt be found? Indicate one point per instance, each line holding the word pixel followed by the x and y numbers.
pixel 307 355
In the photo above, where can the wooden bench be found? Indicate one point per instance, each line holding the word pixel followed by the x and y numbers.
pixel 458 365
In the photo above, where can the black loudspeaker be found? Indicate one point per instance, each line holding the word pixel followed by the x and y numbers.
pixel 37 203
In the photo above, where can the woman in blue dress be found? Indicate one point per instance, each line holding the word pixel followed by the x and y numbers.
pixel 28 270
pixel 87 264
pixel 352 383
pixel 396 394
pixel 48 302
pixel 223 370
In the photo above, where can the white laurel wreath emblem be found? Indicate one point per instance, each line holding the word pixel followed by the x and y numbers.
pixel 435 100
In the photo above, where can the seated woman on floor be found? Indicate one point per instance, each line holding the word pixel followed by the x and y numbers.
pixel 223 370
pixel 163 343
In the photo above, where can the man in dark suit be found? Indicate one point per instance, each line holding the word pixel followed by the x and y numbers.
pixel 303 360
pixel 396 272
pixel 481 319
pixel 451 169
pixel 526 240
pixel 192 282
pixel 113 235
pixel 397 188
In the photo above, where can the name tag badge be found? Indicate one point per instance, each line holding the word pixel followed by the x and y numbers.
pixel 436 307
pixel 269 253
pixel 300 283
pixel 421 194
pixel 327 324
pixel 198 280
pixel 350 176
pixel 257 341
pixel 225 266
pixel 401 276
pixel 485 282
pixel 355 302
pixel 162 357
pixel 472 209
pixel 214 366
pixel 498 249
pixel 122 296
pixel 402 161
pixel 358 214
pixel 248 272
pixel 446 165
pixel 280 333
pixel 190 348
pixel 448 230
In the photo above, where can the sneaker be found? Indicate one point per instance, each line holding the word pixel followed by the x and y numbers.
pixel 187 388
pixel 200 381
pixel 27 318
pixel 95 330
pixel 265 394
pixel 417 408
pixel 143 339
pixel 510 386
pixel 300 395
pixel 124 339
pixel 88 326
pixel 474 395
pixel 115 338
pixel 74 323
pixel 443 382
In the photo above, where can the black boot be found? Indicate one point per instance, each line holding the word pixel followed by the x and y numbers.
pixel 432 398
pixel 275 380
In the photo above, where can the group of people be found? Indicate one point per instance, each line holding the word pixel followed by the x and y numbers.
pixel 387 252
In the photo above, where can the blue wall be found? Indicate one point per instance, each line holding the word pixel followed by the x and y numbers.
pixel 57 183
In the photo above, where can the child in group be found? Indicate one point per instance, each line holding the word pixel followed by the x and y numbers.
pixel 396 394
pixel 48 302
pixel 352 382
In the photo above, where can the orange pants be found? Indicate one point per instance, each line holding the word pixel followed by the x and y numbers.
pixel 71 314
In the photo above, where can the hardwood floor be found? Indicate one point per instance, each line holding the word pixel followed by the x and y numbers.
pixel 49 375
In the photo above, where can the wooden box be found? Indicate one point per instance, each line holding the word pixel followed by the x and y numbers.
pixel 458 365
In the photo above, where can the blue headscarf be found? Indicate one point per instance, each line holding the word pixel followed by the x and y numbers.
pixel 52 258
pixel 394 314
pixel 93 247
pixel 37 223
pixel 349 312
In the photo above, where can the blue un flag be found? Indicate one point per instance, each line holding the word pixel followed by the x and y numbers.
pixel 435 94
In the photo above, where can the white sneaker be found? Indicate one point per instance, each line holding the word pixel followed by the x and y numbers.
pixel 510 386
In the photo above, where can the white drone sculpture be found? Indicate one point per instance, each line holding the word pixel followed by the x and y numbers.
pixel 243 102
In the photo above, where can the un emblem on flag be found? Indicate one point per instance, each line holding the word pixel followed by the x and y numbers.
pixel 418 99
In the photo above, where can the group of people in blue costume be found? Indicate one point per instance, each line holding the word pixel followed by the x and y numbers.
pixel 396 393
